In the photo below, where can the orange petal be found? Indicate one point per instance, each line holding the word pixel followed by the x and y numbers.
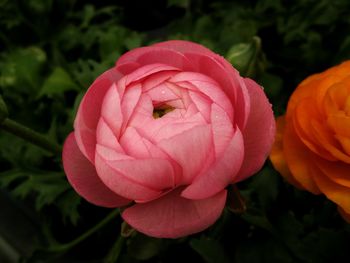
pixel 304 90
pixel 299 159
pixel 338 172
pixel 336 97
pixel 340 123
pixel 322 89
pixel 337 193
pixel 345 143
pixel 328 141
pixel 305 113
pixel 277 154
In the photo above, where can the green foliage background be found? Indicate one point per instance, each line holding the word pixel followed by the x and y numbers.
pixel 52 50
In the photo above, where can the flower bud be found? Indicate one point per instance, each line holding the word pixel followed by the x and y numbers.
pixel 247 58
pixel 3 110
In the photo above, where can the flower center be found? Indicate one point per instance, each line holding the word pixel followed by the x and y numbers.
pixel 160 110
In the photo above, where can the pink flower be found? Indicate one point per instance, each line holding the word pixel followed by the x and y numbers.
pixel 164 132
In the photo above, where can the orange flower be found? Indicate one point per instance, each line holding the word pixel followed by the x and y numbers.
pixel 312 147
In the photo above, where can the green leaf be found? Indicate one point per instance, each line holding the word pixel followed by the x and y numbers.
pixel 57 83
pixel 48 188
pixel 86 71
pixel 133 40
pixel 88 15
pixel 68 204
pixel 22 69
pixel 210 250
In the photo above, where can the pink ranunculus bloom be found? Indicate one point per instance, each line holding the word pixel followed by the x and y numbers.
pixel 164 132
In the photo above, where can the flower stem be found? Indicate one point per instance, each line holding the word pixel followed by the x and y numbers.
pixel 66 246
pixel 114 253
pixel 235 200
pixel 30 135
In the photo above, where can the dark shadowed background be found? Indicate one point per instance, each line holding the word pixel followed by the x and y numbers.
pixel 52 50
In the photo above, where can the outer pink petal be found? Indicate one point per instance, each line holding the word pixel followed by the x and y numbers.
pixel 222 128
pixel 82 176
pixel 172 216
pixel 120 183
pixel 185 47
pixel 221 173
pixel 259 133
pixel 152 55
pixel 190 149
pixel 147 71
pixel 89 112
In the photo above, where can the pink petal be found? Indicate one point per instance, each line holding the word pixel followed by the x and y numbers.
pixel 178 104
pixel 259 132
pixel 120 183
pixel 111 110
pixel 127 68
pixel 133 144
pixel 89 112
pixel 190 149
pixel 156 152
pixel 185 47
pixel 206 86
pixel 130 100
pixel 147 71
pixel 86 139
pixel 242 98
pixel 177 127
pixel 156 174
pixel 156 79
pixel 172 216
pixel 142 117
pixel 222 128
pixel 221 173
pixel 210 67
pixel 94 96
pixel 162 93
pixel 82 176
pixel 202 103
pixel 106 137
pixel 144 122
pixel 230 82
pixel 152 55
pixel 110 154
pixel 242 104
